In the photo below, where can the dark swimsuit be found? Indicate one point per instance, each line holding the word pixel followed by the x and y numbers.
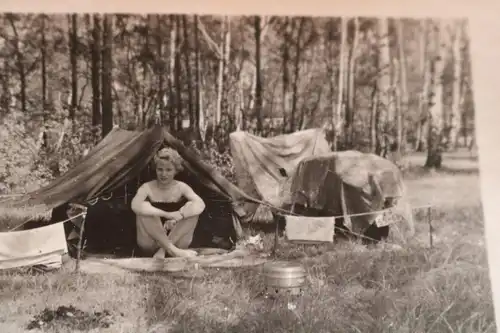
pixel 168 206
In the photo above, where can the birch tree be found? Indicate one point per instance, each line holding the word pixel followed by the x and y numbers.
pixel 457 86
pixel 423 117
pixel 338 108
pixel 436 110
pixel 351 89
pixel 386 105
pixel 402 87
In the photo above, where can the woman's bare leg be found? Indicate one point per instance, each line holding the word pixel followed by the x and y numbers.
pixel 182 233
pixel 151 227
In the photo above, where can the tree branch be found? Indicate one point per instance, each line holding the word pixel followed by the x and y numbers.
pixel 211 44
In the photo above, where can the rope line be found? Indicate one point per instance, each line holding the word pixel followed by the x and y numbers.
pixel 361 214
pixel 287 212
pixel 64 221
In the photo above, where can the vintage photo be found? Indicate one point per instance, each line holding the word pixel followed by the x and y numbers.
pixel 222 173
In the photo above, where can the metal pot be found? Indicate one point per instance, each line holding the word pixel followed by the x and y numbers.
pixel 282 276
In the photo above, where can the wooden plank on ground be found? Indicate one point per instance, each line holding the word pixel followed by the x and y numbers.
pixel 236 258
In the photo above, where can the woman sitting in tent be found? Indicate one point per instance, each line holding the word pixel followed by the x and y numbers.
pixel 170 201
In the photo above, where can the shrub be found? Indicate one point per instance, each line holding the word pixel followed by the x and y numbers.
pixel 222 162
pixel 29 160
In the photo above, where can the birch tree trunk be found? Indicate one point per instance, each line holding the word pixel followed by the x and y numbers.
pixel 396 88
pixel 337 114
pixel 457 85
pixel 241 107
pixel 424 93
pixel 374 120
pixel 220 83
pixel 463 119
pixel 220 74
pixel 403 88
pixel 351 89
pixel 436 111
pixel 386 107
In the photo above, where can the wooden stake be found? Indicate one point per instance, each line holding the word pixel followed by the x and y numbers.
pixel 80 241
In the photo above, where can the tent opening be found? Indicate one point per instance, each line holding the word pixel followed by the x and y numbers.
pixel 110 227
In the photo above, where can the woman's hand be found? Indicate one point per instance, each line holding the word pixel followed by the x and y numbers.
pixel 170 224
pixel 171 219
pixel 177 216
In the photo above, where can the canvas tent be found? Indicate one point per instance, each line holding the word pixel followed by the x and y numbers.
pixel 105 181
pixel 345 183
pixel 257 161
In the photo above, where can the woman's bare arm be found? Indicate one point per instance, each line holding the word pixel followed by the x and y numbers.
pixel 142 207
pixel 195 205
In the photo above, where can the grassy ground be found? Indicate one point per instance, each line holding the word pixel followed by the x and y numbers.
pixel 350 288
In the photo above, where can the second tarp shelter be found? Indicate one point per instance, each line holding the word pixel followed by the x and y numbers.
pixel 350 185
pixel 257 161
pixel 106 179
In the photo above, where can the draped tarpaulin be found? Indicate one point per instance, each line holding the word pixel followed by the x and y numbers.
pixel 343 183
pixel 257 160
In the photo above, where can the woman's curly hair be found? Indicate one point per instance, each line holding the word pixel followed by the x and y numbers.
pixel 169 155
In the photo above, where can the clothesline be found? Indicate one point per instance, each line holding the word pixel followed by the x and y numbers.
pixel 350 215
pixel 64 221
pixel 279 209
pixel 360 235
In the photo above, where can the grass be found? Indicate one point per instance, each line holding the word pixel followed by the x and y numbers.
pixel 350 288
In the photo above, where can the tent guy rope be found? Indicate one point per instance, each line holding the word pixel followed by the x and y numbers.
pixel 64 221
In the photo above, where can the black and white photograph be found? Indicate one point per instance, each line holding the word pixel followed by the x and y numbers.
pixel 187 172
